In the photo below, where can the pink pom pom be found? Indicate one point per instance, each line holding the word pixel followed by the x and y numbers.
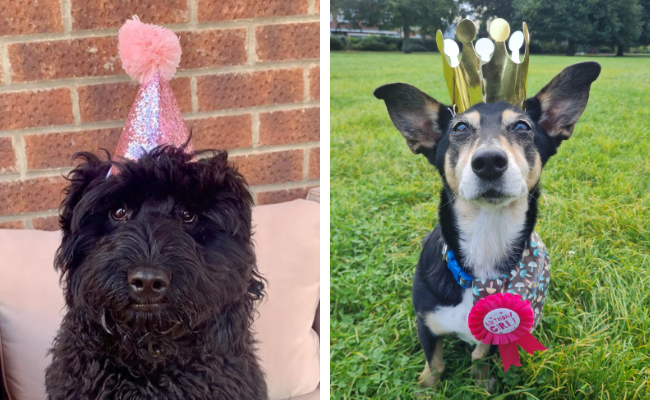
pixel 147 49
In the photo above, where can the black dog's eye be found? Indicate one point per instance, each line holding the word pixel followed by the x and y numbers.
pixel 187 216
pixel 521 126
pixel 461 128
pixel 119 213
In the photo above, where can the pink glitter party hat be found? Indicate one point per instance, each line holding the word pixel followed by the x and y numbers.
pixel 150 54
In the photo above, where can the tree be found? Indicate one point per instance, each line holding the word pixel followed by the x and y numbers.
pixel 592 22
pixel 428 15
pixel 559 20
pixel 644 38
pixel 493 8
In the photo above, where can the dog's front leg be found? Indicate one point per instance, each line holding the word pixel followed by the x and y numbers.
pixel 481 369
pixel 432 346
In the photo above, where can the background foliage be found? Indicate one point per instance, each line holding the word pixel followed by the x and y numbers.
pixel 615 24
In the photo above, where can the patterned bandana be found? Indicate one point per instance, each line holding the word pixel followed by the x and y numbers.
pixel 530 279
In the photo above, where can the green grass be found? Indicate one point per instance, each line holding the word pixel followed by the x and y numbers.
pixel 594 217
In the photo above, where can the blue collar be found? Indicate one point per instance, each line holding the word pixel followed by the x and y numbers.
pixel 463 278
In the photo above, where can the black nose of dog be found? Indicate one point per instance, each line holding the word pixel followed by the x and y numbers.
pixel 490 164
pixel 148 284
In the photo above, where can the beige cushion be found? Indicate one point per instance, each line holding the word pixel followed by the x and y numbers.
pixel 287 246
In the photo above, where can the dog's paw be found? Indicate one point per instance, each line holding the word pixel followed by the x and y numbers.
pixel 482 376
pixel 429 378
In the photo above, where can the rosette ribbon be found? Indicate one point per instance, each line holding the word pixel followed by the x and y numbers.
pixel 505 319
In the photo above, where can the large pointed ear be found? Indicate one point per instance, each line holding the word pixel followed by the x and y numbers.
pixel 420 118
pixel 560 103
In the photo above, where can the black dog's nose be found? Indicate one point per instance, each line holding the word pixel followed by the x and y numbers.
pixel 490 164
pixel 147 283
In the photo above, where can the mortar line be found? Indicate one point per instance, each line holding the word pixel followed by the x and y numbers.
pixel 75 105
pixel 255 129
pixel 123 78
pixel 312 7
pixel 305 164
pixel 238 152
pixel 6 66
pixel 71 128
pixel 28 223
pixel 193 9
pixel 306 83
pixel 193 95
pixel 66 17
pixel 251 44
pixel 187 26
pixel 28 215
pixel 284 186
pixel 21 154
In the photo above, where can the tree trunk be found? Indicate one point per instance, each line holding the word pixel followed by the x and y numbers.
pixel 619 51
pixel 571 48
pixel 407 35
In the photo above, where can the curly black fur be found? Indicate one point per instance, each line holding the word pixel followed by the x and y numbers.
pixel 198 343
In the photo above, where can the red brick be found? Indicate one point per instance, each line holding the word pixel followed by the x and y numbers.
pixel 213 48
pixel 60 59
pixel 294 126
pixel 31 109
pixel 32 16
pixel 96 14
pixel 317 7
pixel 46 223
pixel 221 133
pixel 219 92
pixel 210 10
pixel 314 163
pixel 56 149
pixel 314 83
pixel 12 225
pixel 288 41
pixel 38 194
pixel 267 168
pixel 112 101
pixel 281 196
pixel 7 156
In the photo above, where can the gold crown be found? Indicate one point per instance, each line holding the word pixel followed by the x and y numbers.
pixel 477 77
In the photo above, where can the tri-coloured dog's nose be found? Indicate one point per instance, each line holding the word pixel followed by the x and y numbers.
pixel 489 164
pixel 148 284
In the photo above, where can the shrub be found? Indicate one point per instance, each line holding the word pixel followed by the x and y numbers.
pixel 336 43
pixel 553 48
pixel 352 42
pixel 392 41
pixel 430 44
pixel 371 43
pixel 415 48
pixel 535 48
pixel 392 47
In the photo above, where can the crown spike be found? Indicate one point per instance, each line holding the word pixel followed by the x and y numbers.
pixel 487 73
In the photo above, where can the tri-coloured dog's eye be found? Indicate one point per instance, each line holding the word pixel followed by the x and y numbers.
pixel 187 216
pixel 119 213
pixel 461 128
pixel 521 126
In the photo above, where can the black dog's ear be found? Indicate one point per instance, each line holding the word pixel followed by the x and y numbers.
pixel 415 114
pixel 559 105
pixel 91 170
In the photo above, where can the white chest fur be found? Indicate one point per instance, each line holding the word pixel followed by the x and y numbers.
pixel 453 320
pixel 487 234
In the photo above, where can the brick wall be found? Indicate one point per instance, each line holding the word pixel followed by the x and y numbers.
pixel 248 82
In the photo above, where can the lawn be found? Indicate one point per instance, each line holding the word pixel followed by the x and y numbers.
pixel 594 217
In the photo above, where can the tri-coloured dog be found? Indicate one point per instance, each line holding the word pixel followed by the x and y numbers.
pixel 490 159
pixel 160 282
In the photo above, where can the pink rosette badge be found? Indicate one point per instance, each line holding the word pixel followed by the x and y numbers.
pixel 505 319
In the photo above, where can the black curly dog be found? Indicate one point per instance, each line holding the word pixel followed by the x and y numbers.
pixel 160 282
